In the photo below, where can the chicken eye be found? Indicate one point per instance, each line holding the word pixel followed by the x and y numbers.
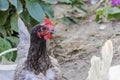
pixel 44 29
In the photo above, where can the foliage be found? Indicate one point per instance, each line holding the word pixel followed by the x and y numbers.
pixel 108 12
pixel 77 10
pixel 70 19
pixel 31 12
pixel 5 44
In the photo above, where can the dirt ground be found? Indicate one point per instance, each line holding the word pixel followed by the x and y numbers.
pixel 75 44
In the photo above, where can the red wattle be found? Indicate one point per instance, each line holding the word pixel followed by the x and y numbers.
pixel 48 36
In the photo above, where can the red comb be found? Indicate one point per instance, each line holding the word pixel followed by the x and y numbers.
pixel 48 22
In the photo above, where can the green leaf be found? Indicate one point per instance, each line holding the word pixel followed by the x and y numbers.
pixel 13 2
pixel 114 10
pixel 17 5
pixel 4 5
pixel 99 12
pixel 25 17
pixel 9 56
pixel 28 19
pixel 13 40
pixel 73 19
pixel 51 1
pixel 14 23
pixel 5 45
pixel 65 1
pixel 35 10
pixel 114 16
pixel 97 18
pixel 117 16
pixel 3 31
pixel 66 20
pixel 14 56
pixel 73 2
pixel 48 10
pixel 0 58
pixel 110 16
pixel 3 17
pixel 33 22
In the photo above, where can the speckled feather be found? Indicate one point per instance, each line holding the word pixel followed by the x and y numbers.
pixel 53 73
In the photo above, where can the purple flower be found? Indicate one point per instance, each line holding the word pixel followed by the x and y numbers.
pixel 88 1
pixel 115 3
pixel 118 2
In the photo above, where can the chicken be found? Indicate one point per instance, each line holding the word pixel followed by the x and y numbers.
pixel 101 68
pixel 37 65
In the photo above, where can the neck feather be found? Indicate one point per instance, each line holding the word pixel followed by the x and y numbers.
pixel 38 60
